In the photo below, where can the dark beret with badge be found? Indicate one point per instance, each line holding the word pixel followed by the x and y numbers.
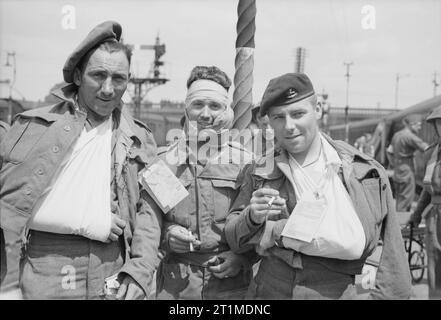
pixel 104 32
pixel 286 89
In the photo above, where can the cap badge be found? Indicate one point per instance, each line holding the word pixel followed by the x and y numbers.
pixel 291 93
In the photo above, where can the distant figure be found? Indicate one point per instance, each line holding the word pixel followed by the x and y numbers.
pixel 261 137
pixel 4 127
pixel 360 143
pixel 432 194
pixel 364 144
pixel 402 148
pixel 375 141
pixel 326 108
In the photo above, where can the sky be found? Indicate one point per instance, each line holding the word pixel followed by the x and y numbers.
pixel 405 39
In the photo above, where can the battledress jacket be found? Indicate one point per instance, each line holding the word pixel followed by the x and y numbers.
pixel 36 145
pixel 369 188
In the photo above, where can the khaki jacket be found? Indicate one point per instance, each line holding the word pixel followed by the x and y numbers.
pixel 36 145
pixel 369 189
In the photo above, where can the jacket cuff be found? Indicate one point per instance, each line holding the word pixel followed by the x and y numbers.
pixel 143 277
pixel 252 227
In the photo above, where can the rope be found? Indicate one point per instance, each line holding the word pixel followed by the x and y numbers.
pixel 244 64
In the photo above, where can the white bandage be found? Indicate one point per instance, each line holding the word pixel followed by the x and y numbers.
pixel 207 89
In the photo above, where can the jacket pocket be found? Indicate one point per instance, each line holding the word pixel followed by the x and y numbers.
pixel 172 279
pixel 224 192
pixel 372 190
pixel 184 213
pixel 23 138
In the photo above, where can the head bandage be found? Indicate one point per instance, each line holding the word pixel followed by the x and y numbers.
pixel 207 89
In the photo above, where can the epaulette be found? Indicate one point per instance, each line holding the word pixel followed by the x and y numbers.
pixel 352 150
pixel 142 124
pixel 4 125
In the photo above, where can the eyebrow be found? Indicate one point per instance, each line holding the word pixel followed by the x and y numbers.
pixel 100 69
pixel 277 114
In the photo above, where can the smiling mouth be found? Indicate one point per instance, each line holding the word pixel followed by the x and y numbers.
pixel 205 124
pixel 105 100
pixel 293 136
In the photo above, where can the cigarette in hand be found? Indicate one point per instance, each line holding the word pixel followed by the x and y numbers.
pixel 270 203
pixel 191 243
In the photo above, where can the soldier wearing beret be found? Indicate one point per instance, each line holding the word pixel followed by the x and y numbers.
pixel 69 183
pixel 432 195
pixel 315 209
pixel 402 148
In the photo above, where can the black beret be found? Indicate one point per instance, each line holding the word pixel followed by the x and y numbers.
pixel 286 89
pixel 106 31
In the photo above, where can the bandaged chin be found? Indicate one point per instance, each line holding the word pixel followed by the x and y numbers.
pixel 207 89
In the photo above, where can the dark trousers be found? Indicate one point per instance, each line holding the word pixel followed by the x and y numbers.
pixel 183 280
pixel 404 187
pixel 3 267
pixel 276 280
pixel 433 249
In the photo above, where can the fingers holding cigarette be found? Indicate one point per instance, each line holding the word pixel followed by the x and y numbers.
pixel 270 202
pixel 265 202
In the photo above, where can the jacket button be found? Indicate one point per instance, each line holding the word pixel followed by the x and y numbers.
pixel 66 128
pixel 40 171
pixel 28 190
pixel 55 149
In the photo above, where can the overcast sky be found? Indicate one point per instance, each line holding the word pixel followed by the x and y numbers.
pixel 406 40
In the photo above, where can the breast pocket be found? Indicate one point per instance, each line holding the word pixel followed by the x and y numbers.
pixel 372 189
pixel 224 192
pixel 23 139
pixel 184 213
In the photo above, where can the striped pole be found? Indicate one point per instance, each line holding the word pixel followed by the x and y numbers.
pixel 244 64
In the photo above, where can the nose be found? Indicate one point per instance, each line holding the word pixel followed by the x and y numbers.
pixel 205 114
pixel 107 88
pixel 290 123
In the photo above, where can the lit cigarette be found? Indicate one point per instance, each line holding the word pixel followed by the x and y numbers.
pixel 270 203
pixel 191 243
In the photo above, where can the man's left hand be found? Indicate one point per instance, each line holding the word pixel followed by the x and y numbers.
pixel 230 267
pixel 130 290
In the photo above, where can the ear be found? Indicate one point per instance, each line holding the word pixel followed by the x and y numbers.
pixel 77 77
pixel 318 111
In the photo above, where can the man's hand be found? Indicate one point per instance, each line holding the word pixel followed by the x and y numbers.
pixel 230 267
pixel 130 290
pixel 116 229
pixel 179 239
pixel 368 274
pixel 260 208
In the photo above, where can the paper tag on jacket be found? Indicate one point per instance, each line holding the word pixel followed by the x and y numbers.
pixel 162 185
pixel 304 221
